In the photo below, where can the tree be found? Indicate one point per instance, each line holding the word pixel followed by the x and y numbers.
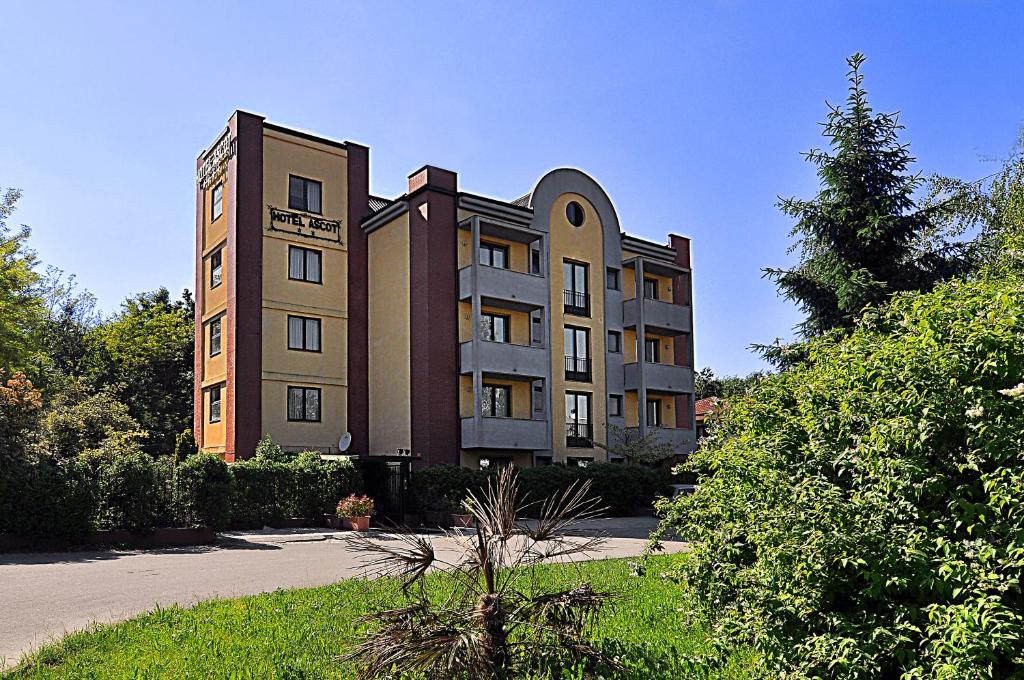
pixel 145 355
pixel 495 621
pixel 863 237
pixel 21 302
pixel 858 515
pixel 80 421
pixel 707 384
pixel 626 442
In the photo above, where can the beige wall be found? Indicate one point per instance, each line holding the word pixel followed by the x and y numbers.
pixel 214 433
pixel 213 370
pixel 389 337
pixel 582 244
pixel 285 155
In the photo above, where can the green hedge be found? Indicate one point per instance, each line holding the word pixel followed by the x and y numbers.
pixel 621 489
pixel 47 498
pixel 131 492
pixel 265 492
pixel 202 491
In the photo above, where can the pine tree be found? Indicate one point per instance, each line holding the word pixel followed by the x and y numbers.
pixel 863 237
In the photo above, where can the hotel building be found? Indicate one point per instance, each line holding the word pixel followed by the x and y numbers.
pixel 451 325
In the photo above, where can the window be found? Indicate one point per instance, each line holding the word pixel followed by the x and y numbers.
pixel 651 350
pixel 577 461
pixel 651 289
pixel 494 327
pixel 215 337
pixel 304 194
pixel 653 413
pixel 215 404
pixel 615 405
pixel 304 404
pixel 574 213
pixel 613 279
pixel 304 264
pixel 217 201
pixel 216 269
pixel 614 342
pixel 577 353
pixel 497 401
pixel 303 333
pixel 577 300
pixel 578 430
pixel 493 255
pixel 535 261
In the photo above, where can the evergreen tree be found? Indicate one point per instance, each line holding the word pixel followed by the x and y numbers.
pixel 863 237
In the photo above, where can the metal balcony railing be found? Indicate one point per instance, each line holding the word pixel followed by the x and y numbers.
pixel 576 302
pixel 577 368
pixel 579 434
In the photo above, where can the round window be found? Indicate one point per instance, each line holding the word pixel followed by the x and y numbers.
pixel 574 213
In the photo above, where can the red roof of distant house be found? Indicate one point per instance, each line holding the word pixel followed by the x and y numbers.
pixel 705 406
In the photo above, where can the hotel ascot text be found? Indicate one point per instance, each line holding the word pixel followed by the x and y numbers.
pixel 450 326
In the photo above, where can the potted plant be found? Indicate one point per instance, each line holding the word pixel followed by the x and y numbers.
pixel 355 512
pixel 460 516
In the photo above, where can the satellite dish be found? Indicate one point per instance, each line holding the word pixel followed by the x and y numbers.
pixel 345 442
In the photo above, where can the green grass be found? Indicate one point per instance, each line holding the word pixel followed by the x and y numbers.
pixel 299 633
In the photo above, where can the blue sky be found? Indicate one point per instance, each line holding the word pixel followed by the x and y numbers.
pixel 691 115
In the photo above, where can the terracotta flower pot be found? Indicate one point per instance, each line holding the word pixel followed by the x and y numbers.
pixel 462 520
pixel 357 523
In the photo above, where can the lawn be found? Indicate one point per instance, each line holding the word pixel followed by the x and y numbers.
pixel 299 633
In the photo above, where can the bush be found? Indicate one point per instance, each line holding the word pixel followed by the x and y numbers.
pixel 202 492
pixel 265 492
pixel 442 487
pixel 317 485
pixel 259 492
pixel 131 492
pixel 625 489
pixel 47 498
pixel 860 515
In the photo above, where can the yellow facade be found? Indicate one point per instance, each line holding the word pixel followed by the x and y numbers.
pixel 390 341
pixel 381 412
pixel 583 244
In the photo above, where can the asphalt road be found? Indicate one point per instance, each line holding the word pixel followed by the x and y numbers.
pixel 44 595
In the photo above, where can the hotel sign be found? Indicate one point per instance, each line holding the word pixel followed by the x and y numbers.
pixel 216 162
pixel 309 226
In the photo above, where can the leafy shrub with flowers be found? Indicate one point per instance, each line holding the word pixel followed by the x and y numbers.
pixel 355 506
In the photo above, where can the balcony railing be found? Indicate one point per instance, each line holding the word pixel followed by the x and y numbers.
pixel 579 435
pixel 576 302
pixel 577 368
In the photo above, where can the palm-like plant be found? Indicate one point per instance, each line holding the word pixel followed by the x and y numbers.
pixel 488 625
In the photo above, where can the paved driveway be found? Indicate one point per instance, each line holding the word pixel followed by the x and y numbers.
pixel 44 595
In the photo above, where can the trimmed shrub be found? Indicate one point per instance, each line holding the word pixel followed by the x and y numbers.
pixel 317 485
pixel 625 489
pixel 266 492
pixel 259 492
pixel 131 493
pixel 441 488
pixel 48 499
pixel 860 514
pixel 202 492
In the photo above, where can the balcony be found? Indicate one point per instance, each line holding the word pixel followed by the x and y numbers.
pixel 504 358
pixel 579 435
pixel 576 303
pixel 663 317
pixel 659 377
pixel 504 287
pixel 682 440
pixel 578 369
pixel 504 433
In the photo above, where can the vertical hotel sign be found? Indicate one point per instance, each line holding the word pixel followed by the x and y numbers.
pixel 216 162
